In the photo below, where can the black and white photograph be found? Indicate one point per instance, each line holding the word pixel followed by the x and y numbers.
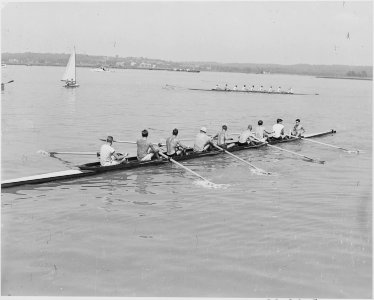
pixel 187 149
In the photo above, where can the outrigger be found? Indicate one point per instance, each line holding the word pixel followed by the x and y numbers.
pixel 94 168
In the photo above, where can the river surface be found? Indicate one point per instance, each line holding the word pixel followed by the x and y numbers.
pixel 304 231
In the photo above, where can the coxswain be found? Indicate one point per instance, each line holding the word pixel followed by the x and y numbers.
pixel 260 132
pixel 173 145
pixel 246 137
pixel 145 149
pixel 298 129
pixel 223 138
pixel 202 141
pixel 108 156
pixel 278 130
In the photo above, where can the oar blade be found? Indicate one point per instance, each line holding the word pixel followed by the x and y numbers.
pixel 45 153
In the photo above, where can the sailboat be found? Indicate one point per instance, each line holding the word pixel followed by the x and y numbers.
pixel 70 76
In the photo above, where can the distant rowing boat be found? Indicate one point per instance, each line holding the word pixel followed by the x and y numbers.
pixel 94 168
pixel 241 91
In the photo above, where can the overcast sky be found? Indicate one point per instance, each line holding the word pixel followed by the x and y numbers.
pixel 339 32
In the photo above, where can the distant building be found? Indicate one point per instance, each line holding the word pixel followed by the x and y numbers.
pixel 120 64
pixel 145 65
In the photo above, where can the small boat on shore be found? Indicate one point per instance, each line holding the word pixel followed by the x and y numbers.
pixel 254 92
pixel 94 168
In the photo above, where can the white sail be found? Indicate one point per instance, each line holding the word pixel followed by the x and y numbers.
pixel 69 74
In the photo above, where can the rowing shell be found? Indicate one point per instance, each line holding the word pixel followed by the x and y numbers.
pixel 90 169
pixel 241 91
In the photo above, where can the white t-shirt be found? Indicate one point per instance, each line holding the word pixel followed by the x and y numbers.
pixel 277 128
pixel 245 135
pixel 106 152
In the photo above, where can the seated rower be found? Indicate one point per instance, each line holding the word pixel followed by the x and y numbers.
pixel 278 130
pixel 260 132
pixel 202 141
pixel 173 145
pixel 246 137
pixel 145 149
pixel 261 89
pixel 223 138
pixel 108 156
pixel 235 88
pixel 298 129
pixel 245 89
pixel 270 89
pixel 217 88
pixel 227 88
pixel 252 88
pixel 290 91
pixel 279 89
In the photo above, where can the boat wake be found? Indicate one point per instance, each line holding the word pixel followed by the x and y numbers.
pixel 211 185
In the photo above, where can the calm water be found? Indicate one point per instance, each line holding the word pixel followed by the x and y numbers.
pixel 305 231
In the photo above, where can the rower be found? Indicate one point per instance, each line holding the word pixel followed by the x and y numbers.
pixel 298 129
pixel 261 88
pixel 279 89
pixel 260 132
pixel 252 88
pixel 202 141
pixel 246 137
pixel 245 88
pixel 108 156
pixel 227 88
pixel 278 130
pixel 270 89
pixel 222 138
pixel 217 87
pixel 145 149
pixel 173 145
pixel 235 88
pixel 290 91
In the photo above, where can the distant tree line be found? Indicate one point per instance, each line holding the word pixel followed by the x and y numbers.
pixel 83 60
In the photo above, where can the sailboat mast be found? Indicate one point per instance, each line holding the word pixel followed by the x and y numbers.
pixel 75 66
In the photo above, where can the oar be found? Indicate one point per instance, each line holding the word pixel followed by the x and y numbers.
pixel 237 157
pixel 337 147
pixel 305 157
pixel 9 82
pixel 182 166
pixel 52 153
